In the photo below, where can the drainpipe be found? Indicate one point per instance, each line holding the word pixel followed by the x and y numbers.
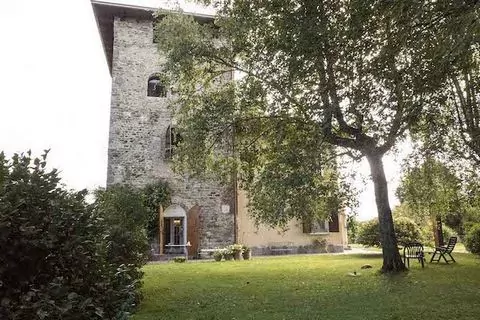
pixel 235 192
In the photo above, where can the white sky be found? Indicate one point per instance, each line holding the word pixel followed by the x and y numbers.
pixel 55 90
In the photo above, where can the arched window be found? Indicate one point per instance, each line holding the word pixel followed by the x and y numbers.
pixel 155 87
pixel 172 139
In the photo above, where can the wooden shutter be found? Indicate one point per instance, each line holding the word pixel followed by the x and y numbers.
pixel 333 224
pixel 193 230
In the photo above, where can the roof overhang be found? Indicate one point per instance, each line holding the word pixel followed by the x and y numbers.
pixel 105 12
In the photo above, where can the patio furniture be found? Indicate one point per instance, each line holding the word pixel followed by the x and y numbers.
pixel 443 251
pixel 413 250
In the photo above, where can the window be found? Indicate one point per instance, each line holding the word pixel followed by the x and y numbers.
pixel 315 226
pixel 155 87
pixel 172 139
pixel 312 225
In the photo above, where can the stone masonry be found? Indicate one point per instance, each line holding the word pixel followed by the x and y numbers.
pixel 138 126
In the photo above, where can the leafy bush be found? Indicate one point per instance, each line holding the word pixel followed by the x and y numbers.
pixel 405 229
pixel 472 240
pixel 62 258
pixel 352 228
pixel 154 195
pixel 126 246
pixel 369 233
pixel 320 245
pixel 49 239
pixel 447 233
pixel 218 254
pixel 179 259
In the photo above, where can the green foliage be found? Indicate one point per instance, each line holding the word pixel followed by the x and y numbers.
pixel 155 195
pixel 179 259
pixel 126 246
pixel 448 232
pixel 472 240
pixel 49 242
pixel 405 230
pixel 369 233
pixel 424 223
pixel 451 125
pixel 60 258
pixel 352 228
pixel 433 189
pixel 218 254
pixel 471 201
pixel 430 189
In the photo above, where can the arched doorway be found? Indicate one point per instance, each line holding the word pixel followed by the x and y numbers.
pixel 175 229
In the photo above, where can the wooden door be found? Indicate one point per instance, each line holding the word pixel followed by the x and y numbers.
pixel 193 230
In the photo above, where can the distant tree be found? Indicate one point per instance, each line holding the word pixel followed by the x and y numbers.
pixel 431 191
pixel 471 202
pixel 310 75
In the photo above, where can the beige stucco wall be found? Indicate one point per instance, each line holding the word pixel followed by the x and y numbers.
pixel 261 236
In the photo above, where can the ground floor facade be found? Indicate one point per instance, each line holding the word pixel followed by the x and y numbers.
pixel 194 229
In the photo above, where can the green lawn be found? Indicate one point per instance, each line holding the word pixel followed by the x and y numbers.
pixel 310 287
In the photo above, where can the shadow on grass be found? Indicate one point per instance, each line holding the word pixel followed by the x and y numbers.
pixel 367 255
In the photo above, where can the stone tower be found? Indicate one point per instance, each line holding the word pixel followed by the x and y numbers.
pixel 142 131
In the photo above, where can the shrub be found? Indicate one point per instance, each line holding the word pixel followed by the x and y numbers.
pixel 352 228
pixel 228 252
pixel 405 229
pixel 447 233
pixel 320 245
pixel 246 252
pixel 218 255
pixel 62 258
pixel 50 267
pixel 472 240
pixel 369 233
pixel 236 248
pixel 126 247
pixel 179 259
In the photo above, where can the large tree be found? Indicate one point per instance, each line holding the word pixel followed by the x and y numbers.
pixel 452 123
pixel 311 79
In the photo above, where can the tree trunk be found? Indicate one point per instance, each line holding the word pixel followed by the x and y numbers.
pixel 392 261
pixel 437 230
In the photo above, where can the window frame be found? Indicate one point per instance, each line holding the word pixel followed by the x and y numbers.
pixel 158 90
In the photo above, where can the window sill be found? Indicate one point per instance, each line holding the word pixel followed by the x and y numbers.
pixel 319 233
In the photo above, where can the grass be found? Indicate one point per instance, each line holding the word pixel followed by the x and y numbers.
pixel 310 287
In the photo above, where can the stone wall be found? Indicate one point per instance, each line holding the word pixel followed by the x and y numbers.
pixel 138 126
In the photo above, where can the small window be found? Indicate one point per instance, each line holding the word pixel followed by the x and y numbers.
pixel 156 88
pixel 172 139
pixel 315 226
